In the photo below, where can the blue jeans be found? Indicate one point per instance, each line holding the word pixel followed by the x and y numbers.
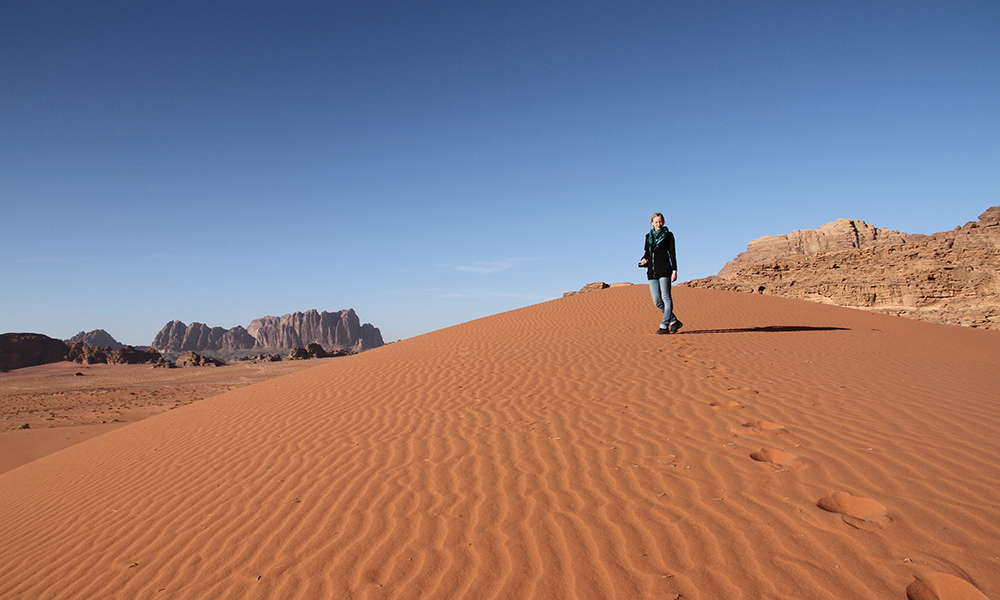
pixel 660 289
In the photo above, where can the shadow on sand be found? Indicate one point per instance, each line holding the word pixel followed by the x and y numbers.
pixel 767 329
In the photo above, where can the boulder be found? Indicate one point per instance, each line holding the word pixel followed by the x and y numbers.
pixel 193 359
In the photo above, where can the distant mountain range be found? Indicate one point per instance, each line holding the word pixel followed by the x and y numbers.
pixel 333 331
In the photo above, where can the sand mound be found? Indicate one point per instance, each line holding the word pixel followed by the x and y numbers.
pixel 557 451
pixel 942 586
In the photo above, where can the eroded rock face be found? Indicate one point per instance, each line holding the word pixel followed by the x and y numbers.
pixel 951 277
pixel 842 234
pixel 178 337
pixel 19 350
pixel 339 331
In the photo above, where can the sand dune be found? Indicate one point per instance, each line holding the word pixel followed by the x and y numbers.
pixel 774 449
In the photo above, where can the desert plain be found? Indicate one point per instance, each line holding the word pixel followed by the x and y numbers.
pixel 772 449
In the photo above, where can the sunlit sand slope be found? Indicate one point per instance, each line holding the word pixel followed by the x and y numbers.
pixel 773 449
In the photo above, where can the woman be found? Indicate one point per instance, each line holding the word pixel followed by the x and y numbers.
pixel 660 260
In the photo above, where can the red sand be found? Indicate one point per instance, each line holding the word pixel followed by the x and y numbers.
pixel 556 451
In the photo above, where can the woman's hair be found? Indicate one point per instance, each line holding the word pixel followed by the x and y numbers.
pixel 656 215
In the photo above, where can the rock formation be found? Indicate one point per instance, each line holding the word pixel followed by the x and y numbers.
pixel 19 350
pixel 331 330
pixel 593 287
pixel 125 355
pixel 950 277
pixel 178 337
pixel 842 234
pixel 98 338
pixel 193 359
pixel 339 331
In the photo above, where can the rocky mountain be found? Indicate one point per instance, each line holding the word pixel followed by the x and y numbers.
pixel 98 338
pixel 950 277
pixel 333 331
pixel 29 349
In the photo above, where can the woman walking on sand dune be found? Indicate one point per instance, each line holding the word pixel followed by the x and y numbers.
pixel 660 260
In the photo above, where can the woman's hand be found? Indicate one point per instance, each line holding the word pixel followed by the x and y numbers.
pixel 673 277
pixel 643 262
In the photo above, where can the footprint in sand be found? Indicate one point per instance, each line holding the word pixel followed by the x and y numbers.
pixel 780 458
pixel 742 391
pixel 933 585
pixel 726 405
pixel 765 428
pixel 862 513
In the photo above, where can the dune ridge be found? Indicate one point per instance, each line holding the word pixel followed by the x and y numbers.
pixel 557 451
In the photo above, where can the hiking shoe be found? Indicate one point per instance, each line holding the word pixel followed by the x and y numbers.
pixel 663 330
pixel 675 326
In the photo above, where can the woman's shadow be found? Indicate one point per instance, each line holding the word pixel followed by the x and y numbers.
pixel 765 329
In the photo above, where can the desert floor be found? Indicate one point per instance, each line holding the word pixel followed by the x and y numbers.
pixel 50 407
pixel 774 448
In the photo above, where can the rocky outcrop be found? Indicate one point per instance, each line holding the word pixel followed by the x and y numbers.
pixel 339 331
pixel 593 287
pixel 19 350
pixel 315 351
pixel 125 355
pixel 951 277
pixel 193 359
pixel 98 338
pixel 842 234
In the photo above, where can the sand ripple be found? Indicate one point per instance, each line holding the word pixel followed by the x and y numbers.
pixel 557 451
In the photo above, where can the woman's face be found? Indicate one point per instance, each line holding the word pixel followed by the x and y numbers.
pixel 657 222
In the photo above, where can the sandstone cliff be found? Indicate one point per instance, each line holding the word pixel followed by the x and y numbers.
pixel 950 277
pixel 29 349
pixel 334 331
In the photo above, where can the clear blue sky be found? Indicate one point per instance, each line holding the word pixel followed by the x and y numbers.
pixel 428 163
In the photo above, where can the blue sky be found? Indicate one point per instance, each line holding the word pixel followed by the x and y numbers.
pixel 428 163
